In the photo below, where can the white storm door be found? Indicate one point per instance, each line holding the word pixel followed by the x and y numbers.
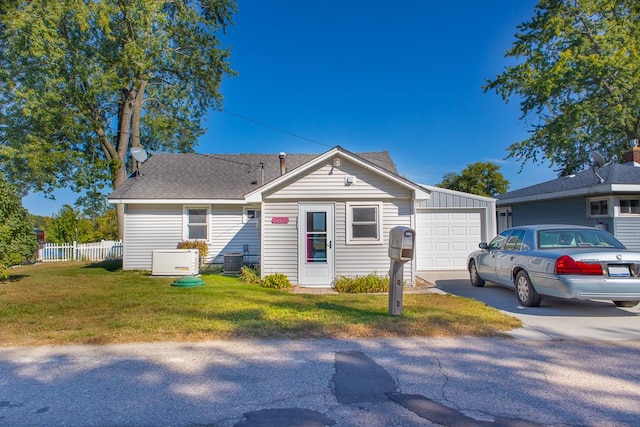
pixel 316 245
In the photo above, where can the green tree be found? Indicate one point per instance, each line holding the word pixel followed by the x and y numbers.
pixel 577 77
pixel 92 205
pixel 481 178
pixel 83 81
pixel 68 226
pixel 17 239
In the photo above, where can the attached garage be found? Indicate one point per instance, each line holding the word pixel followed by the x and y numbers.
pixel 449 226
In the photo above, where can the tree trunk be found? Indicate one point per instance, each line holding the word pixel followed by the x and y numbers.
pixel 119 164
pixel 135 120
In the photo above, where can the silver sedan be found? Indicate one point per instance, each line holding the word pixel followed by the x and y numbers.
pixel 563 261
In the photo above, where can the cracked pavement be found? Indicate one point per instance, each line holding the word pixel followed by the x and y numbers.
pixel 434 381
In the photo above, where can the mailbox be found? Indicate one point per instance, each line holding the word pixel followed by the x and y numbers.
pixel 402 243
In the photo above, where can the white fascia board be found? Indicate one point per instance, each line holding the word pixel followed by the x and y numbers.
pixel 625 188
pixel 420 195
pixel 179 201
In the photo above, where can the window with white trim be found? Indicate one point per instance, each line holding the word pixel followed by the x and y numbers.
pixel 629 206
pixel 251 214
pixel 364 223
pixel 196 223
pixel 598 207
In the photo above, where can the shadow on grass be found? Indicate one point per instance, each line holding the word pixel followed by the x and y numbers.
pixel 114 265
pixel 13 278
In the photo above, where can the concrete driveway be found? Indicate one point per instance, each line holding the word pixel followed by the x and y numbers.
pixel 554 319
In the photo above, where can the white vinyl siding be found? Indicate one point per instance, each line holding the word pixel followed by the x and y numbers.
pixel 149 227
pixel 328 183
pixel 229 233
pixel 360 260
pixel 280 240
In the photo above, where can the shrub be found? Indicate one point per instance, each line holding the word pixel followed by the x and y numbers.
pixel 249 275
pixel 277 281
pixel 17 239
pixel 200 245
pixel 370 283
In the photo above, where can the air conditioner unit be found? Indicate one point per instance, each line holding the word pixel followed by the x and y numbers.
pixel 174 262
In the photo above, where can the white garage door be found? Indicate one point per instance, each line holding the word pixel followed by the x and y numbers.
pixel 444 238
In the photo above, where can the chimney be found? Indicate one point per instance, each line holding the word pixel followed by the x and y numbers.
pixel 633 155
pixel 283 168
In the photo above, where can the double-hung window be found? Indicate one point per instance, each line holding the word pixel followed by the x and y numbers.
pixel 364 223
pixel 629 206
pixel 599 207
pixel 196 223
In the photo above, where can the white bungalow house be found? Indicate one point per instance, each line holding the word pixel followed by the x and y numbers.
pixel 313 217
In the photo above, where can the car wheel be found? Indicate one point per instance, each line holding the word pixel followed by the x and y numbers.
pixel 476 280
pixel 527 295
pixel 626 303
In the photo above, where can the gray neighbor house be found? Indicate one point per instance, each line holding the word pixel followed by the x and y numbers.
pixel 607 197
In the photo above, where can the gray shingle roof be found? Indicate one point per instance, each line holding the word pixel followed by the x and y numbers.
pixel 615 173
pixel 217 176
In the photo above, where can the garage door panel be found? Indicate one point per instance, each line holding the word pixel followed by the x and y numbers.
pixel 459 231
pixel 459 216
pixel 442 246
pixel 441 231
pixel 445 238
pixel 459 247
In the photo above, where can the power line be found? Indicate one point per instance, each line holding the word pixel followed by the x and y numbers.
pixel 276 129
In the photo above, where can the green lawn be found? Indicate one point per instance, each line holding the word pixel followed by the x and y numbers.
pixel 67 303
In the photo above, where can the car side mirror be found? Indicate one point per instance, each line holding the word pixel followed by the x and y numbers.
pixel 483 245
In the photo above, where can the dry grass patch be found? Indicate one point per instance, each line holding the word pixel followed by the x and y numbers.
pixel 99 303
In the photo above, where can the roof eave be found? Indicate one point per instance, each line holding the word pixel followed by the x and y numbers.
pixel 178 201
pixel 585 191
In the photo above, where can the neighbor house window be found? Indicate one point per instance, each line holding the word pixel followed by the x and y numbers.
pixel 364 223
pixel 196 223
pixel 599 207
pixel 629 206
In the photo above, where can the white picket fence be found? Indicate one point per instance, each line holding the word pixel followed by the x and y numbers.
pixel 98 251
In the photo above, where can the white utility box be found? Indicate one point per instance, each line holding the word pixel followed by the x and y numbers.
pixel 174 262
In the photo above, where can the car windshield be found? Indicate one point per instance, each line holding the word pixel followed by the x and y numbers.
pixel 576 238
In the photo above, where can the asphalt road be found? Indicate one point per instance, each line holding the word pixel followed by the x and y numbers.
pixel 555 318
pixel 380 382
pixel 573 364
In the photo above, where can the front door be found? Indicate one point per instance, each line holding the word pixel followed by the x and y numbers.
pixel 315 248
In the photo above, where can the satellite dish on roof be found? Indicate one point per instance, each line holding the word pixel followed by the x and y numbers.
pixel 598 160
pixel 139 153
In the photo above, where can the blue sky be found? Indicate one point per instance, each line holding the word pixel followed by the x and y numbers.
pixel 369 75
